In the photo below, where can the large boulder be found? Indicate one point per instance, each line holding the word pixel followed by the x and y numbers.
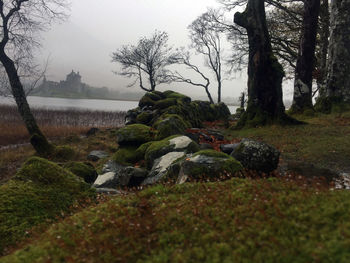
pixel 257 156
pixel 161 167
pixel 170 124
pixel 208 165
pixel 83 170
pixel 176 143
pixel 135 134
pixel 94 156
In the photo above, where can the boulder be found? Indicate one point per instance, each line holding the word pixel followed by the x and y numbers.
pixel 131 176
pixel 228 148
pixel 83 170
pixel 111 166
pixel 176 143
pixel 170 124
pixel 208 165
pixel 131 116
pixel 94 156
pixel 134 134
pixel 107 180
pixel 161 166
pixel 257 156
pixel 127 156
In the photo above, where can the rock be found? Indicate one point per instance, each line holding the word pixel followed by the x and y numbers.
pixel 92 132
pixel 170 144
pixel 208 165
pixel 107 180
pixel 217 135
pixel 127 156
pixel 134 134
pixel 111 166
pixel 206 137
pixel 161 166
pixel 94 156
pixel 228 148
pixel 170 124
pixel 131 116
pixel 193 136
pixel 257 156
pixel 206 146
pixel 83 170
pixel 131 176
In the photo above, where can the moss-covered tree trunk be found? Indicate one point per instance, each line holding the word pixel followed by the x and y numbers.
pixel 338 67
pixel 38 140
pixel 265 74
pixel 302 98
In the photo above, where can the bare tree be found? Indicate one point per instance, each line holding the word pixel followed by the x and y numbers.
pixel 149 57
pixel 183 58
pixel 206 40
pixel 21 21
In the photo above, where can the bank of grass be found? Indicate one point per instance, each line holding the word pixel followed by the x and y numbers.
pixel 241 220
pixel 323 141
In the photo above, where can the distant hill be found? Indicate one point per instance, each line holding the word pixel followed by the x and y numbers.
pixel 74 88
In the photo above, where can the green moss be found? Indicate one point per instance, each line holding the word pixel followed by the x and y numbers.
pixel 146 101
pixel 141 151
pixel 63 153
pixel 214 222
pixel 144 117
pixel 40 191
pixel 176 95
pixel 127 156
pixel 166 103
pixel 170 124
pixel 82 170
pixel 135 134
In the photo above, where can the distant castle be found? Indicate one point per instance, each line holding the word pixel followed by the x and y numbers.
pixel 71 84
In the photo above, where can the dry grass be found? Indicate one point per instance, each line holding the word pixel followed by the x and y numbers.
pixel 54 123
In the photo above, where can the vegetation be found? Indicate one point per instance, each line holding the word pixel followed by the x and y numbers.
pixel 245 220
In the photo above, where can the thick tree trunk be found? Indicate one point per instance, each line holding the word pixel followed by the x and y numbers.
pixel 324 42
pixel 219 91
pixel 302 99
pixel 38 140
pixel 265 74
pixel 338 67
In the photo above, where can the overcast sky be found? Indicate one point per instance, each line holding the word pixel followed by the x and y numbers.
pixel 97 28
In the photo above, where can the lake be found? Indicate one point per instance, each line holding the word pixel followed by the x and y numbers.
pixel 98 105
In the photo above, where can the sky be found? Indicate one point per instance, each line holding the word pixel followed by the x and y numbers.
pixel 95 29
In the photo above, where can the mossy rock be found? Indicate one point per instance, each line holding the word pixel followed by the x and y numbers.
pixel 328 105
pixel 82 170
pixel 176 143
pixel 40 191
pixel 189 112
pixel 146 101
pixel 176 95
pixel 166 103
pixel 141 151
pixel 170 124
pixel 145 117
pixel 127 156
pixel 135 134
pixel 63 153
pixel 210 165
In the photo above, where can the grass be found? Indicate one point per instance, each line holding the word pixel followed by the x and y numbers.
pixel 324 141
pixel 54 123
pixel 241 220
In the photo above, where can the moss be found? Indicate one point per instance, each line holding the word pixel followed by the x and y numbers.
pixel 170 124
pixel 63 153
pixel 166 103
pixel 141 151
pixel 41 145
pixel 146 101
pixel 176 95
pixel 40 191
pixel 328 105
pixel 82 170
pixel 127 156
pixel 135 134
pixel 144 117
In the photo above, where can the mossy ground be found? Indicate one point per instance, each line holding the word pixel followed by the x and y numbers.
pixel 241 220
pixel 324 140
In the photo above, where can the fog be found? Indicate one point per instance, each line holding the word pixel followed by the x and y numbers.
pixel 95 29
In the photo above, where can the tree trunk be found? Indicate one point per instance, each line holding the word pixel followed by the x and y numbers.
pixel 338 67
pixel 265 74
pixel 219 91
pixel 324 42
pixel 38 140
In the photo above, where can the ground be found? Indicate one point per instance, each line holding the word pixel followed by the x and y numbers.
pixel 277 219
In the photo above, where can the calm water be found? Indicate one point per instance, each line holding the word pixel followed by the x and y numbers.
pixel 102 105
